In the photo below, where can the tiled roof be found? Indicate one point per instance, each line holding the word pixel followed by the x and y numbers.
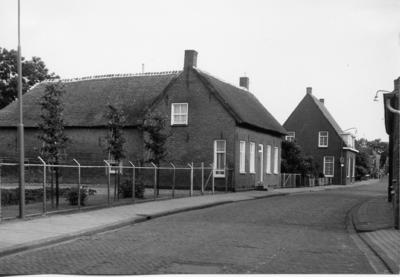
pixel 242 104
pixel 86 99
pixel 327 114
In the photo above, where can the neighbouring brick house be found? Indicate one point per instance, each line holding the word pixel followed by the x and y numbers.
pixel 210 121
pixel 318 134
pixel 392 123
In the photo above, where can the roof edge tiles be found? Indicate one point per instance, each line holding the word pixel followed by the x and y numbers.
pixel 219 79
pixel 107 76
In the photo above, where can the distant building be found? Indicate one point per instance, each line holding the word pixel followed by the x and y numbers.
pixel 318 134
pixel 210 121
pixel 373 160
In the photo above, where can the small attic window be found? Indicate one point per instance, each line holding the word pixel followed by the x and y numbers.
pixel 323 139
pixel 179 114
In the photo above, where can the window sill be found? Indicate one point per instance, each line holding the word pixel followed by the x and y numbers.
pixel 269 173
pixel 252 173
pixel 219 176
pixel 242 172
pixel 322 146
pixel 179 125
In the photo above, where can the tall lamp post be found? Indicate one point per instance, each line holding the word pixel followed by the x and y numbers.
pixel 20 129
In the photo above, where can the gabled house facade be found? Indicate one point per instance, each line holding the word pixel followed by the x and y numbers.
pixel 210 122
pixel 318 134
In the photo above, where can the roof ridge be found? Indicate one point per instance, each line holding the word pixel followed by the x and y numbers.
pixel 107 76
pixel 219 79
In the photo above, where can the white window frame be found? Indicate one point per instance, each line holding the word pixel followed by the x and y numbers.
pixel 354 167
pixel 290 136
pixel 261 151
pixel 180 114
pixel 252 157
pixel 269 159
pixel 219 173
pixel 320 136
pixel 242 157
pixel 333 166
pixel 348 167
pixel 276 160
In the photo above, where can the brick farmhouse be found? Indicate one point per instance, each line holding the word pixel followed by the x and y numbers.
pixel 210 122
pixel 319 135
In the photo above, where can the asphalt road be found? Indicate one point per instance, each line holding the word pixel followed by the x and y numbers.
pixel 296 234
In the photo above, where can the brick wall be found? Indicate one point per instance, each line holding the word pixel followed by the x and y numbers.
pixel 208 121
pixel 307 121
pixel 396 159
pixel 88 146
pixel 249 180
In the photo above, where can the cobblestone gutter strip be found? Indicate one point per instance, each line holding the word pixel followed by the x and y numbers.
pixel 71 236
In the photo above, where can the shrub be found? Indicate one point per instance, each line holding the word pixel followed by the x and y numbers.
pixel 72 196
pixel 125 189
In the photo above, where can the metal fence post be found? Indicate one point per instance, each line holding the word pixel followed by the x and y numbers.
pixel 212 183
pixel 226 178
pixel 202 178
pixel 191 180
pixel 133 182
pixel 109 181
pixel 173 181
pixel 79 184
pixel 44 185
pixel 155 181
pixel 0 192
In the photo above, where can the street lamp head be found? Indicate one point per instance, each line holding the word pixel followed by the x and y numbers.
pixel 376 96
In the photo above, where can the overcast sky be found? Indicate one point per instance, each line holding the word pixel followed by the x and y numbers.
pixel 345 50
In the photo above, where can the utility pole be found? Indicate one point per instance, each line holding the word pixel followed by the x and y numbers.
pixel 20 128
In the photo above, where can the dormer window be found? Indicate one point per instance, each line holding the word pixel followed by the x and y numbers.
pixel 179 114
pixel 290 136
pixel 323 139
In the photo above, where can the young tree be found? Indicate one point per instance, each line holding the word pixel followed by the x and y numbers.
pixel 54 136
pixel 116 140
pixel 293 159
pixel 154 125
pixel 33 71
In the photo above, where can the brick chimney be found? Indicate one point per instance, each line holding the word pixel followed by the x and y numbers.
pixel 309 90
pixel 244 82
pixel 322 101
pixel 190 59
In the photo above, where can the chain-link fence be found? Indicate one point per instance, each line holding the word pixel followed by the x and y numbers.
pixel 53 188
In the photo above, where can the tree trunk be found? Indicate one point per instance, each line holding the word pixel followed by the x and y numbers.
pixel 57 185
pixel 158 179
pixel 52 186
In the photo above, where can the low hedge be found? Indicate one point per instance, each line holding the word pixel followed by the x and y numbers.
pixel 11 196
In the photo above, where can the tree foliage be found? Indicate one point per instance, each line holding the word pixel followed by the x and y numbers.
pixel 381 147
pixel 33 71
pixel 154 125
pixel 115 137
pixel 54 136
pixel 293 160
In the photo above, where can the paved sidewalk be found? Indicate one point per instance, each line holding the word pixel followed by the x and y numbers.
pixel 373 220
pixel 21 235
